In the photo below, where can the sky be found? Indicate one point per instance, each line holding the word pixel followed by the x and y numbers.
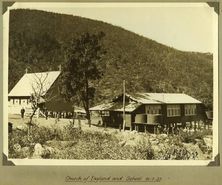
pixel 184 26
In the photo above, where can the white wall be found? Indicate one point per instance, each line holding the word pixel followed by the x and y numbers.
pixel 15 108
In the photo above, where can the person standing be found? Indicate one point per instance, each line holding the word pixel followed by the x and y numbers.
pixel 22 112
pixel 46 114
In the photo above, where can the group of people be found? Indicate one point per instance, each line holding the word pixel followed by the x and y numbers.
pixel 175 129
pixel 50 114
pixel 171 129
pixel 58 115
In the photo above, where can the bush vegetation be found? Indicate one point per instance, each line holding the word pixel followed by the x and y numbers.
pixel 96 145
pixel 21 139
pixel 38 41
pixel 71 143
pixel 191 137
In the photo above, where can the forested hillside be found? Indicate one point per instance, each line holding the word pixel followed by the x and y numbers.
pixel 38 39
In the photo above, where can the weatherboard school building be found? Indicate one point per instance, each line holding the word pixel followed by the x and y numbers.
pixel 47 83
pixel 147 111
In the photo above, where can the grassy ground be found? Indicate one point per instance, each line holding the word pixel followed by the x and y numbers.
pixel 18 121
pixel 50 122
pixel 61 140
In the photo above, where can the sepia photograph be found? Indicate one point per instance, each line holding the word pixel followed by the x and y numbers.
pixel 103 82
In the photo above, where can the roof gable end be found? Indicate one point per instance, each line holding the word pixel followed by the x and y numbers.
pixel 32 82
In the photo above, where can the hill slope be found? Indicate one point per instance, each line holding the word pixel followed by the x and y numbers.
pixel 37 41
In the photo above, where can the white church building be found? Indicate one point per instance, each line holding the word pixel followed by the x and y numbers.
pixel 19 96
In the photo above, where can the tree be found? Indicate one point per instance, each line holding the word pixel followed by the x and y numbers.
pixel 81 69
pixel 39 96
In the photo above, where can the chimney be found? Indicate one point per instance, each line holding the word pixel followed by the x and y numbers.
pixel 26 70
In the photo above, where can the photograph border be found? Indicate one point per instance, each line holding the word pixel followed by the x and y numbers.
pixel 190 173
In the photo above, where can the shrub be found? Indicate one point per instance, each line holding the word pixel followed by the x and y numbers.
pixel 100 145
pixel 190 137
pixel 17 137
pixel 73 143
pixel 68 133
pixel 176 153
pixel 40 134
pixel 37 135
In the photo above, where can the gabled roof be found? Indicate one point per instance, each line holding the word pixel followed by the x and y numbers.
pixel 101 107
pixel 79 110
pixel 30 82
pixel 161 98
pixel 145 98
pixel 116 106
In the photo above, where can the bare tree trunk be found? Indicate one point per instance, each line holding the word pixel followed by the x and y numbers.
pixel 88 117
pixel 87 101
pixel 30 121
pixel 79 123
pixel 73 116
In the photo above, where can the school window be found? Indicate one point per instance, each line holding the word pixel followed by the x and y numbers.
pixel 173 110
pixel 11 101
pixel 153 109
pixel 105 113
pixel 190 109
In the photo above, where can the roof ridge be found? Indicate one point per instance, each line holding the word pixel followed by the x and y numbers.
pixel 28 79
pixel 162 98
pixel 41 72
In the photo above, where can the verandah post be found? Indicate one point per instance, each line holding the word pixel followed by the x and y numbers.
pixel 124 100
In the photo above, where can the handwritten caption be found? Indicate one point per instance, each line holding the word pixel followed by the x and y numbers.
pixel 98 179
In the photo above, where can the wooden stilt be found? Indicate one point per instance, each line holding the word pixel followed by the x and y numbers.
pixel 168 129
pixel 155 132
pixel 120 127
pixel 79 124
pixel 124 101
pixel 195 126
pixel 173 126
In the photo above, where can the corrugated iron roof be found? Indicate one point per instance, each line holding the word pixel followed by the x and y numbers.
pixel 101 107
pixel 116 106
pixel 160 98
pixel 30 81
pixel 146 98
pixel 129 107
